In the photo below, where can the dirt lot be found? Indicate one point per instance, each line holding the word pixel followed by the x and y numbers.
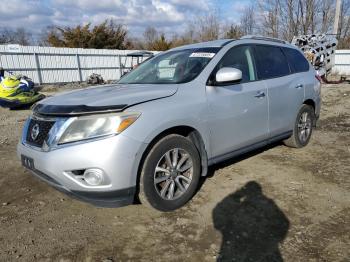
pixel 272 205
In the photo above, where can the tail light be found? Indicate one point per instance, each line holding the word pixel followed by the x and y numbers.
pixel 319 78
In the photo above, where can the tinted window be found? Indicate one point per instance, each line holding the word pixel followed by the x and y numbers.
pixel 240 58
pixel 297 61
pixel 271 62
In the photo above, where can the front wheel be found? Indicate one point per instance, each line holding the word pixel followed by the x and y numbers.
pixel 170 173
pixel 303 128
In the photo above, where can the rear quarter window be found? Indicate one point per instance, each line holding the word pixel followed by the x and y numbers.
pixel 271 62
pixel 297 61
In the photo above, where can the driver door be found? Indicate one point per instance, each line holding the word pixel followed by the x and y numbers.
pixel 238 112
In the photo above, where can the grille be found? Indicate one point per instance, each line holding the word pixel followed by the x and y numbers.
pixel 44 129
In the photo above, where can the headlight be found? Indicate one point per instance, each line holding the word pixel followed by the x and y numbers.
pixel 95 126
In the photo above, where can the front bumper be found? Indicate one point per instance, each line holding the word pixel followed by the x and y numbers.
pixel 117 198
pixel 117 156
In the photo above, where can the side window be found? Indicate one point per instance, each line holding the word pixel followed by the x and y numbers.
pixel 297 61
pixel 240 57
pixel 271 62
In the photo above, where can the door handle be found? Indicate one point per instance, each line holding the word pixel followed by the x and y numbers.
pixel 299 86
pixel 260 94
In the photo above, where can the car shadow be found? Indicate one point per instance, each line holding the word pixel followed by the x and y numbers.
pixel 212 169
pixel 251 224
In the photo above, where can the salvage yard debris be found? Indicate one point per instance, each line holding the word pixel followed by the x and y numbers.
pixel 319 49
pixel 95 79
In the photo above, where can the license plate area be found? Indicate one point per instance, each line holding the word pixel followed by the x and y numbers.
pixel 27 162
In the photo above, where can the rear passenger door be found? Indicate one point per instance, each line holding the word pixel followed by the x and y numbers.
pixel 285 89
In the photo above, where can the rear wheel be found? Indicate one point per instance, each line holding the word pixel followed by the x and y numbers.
pixel 170 173
pixel 303 128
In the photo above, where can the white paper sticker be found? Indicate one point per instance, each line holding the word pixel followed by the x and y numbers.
pixel 203 54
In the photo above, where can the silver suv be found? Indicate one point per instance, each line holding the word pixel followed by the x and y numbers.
pixel 154 133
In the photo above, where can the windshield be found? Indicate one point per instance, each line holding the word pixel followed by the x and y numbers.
pixel 173 67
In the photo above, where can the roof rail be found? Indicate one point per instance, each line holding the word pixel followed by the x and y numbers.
pixel 256 37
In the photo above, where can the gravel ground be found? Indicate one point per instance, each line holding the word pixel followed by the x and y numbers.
pixel 274 204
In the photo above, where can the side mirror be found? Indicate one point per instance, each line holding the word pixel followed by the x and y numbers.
pixel 228 74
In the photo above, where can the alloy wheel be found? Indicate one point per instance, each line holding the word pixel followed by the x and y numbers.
pixel 173 174
pixel 304 127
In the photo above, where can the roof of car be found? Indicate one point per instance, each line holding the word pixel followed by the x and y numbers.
pixel 215 43
pixel 222 42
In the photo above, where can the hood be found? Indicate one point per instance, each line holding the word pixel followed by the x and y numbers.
pixel 102 99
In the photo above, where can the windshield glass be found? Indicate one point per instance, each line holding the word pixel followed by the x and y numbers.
pixel 173 67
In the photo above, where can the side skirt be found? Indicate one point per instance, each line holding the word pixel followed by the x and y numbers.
pixel 241 151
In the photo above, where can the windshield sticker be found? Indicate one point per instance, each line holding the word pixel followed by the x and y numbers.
pixel 203 54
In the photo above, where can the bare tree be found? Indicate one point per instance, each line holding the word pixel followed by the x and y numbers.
pixel 270 13
pixel 150 35
pixel 307 16
pixel 5 37
pixel 19 36
pixel 288 18
pixel 207 27
pixel 344 25
pixel 248 20
pixel 344 18
pixel 189 36
pixel 233 31
pixel 155 40
pixel 22 37
pixel 327 15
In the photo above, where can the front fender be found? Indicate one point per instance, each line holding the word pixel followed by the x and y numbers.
pixel 160 115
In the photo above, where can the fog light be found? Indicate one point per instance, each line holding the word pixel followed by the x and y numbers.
pixel 93 177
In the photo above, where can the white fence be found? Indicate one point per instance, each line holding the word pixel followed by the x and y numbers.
pixel 342 62
pixel 54 65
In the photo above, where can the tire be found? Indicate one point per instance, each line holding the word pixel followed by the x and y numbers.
pixel 303 128
pixel 170 186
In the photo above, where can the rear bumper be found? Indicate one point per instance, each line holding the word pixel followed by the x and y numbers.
pixel 318 107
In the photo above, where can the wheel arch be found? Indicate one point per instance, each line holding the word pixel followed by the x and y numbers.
pixel 185 131
pixel 310 102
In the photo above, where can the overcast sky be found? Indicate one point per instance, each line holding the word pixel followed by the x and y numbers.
pixel 166 15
